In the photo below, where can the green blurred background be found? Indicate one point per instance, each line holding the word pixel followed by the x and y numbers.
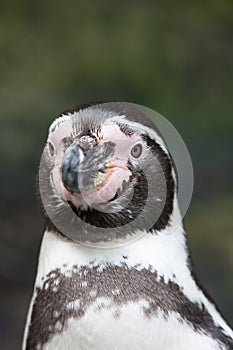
pixel 172 56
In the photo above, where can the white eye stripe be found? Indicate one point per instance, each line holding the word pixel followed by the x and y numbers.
pixel 57 122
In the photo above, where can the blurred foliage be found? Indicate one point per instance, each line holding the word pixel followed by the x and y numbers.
pixel 210 228
pixel 173 56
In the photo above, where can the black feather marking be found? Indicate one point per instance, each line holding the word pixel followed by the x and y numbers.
pixel 59 291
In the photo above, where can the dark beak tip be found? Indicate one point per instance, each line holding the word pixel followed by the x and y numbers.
pixel 69 171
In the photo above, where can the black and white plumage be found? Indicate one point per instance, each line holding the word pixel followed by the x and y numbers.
pixel 92 291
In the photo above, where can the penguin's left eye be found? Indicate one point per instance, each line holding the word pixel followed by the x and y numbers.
pixel 136 151
pixel 51 149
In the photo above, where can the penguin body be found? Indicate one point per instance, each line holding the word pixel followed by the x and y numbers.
pixel 136 295
pixel 113 299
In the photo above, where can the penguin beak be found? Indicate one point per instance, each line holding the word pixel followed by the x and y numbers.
pixel 72 159
pixel 85 173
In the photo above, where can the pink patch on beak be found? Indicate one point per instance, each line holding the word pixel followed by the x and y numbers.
pixel 109 189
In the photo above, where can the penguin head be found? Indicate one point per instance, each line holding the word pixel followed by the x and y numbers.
pixel 105 174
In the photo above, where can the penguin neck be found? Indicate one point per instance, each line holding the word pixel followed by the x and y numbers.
pixel 164 252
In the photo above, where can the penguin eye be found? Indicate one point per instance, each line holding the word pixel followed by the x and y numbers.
pixel 136 151
pixel 51 149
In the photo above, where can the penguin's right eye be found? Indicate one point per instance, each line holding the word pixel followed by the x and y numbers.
pixel 51 149
pixel 136 151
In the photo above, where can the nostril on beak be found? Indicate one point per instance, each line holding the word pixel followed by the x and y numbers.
pixel 69 171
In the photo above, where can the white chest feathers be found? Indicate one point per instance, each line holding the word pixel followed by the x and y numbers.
pixel 104 329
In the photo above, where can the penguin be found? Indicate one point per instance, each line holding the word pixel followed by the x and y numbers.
pixel 114 268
